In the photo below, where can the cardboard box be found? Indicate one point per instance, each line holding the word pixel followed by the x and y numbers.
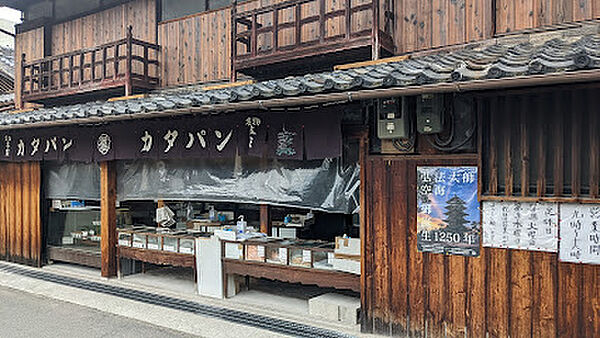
pixel 346 265
pixel 234 251
pixel 226 235
pixel 347 246
pixel 283 232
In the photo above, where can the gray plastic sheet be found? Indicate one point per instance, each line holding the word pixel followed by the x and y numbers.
pixel 72 180
pixel 325 185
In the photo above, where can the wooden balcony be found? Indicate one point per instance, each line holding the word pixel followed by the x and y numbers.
pixel 122 67
pixel 296 33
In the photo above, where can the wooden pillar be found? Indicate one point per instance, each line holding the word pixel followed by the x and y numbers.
pixel 265 219
pixel 108 194
pixel 128 64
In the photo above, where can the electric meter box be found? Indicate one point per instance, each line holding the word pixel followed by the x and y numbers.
pixel 392 118
pixel 430 114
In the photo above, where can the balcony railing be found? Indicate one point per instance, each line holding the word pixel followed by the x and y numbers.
pixel 129 63
pixel 300 28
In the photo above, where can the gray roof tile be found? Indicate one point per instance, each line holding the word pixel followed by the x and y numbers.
pixel 474 62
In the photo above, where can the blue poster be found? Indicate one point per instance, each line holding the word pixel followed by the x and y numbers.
pixel 448 216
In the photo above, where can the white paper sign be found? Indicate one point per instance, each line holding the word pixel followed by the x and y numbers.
pixel 283 254
pixel 579 233
pixel 306 256
pixel 56 204
pixel 520 225
pixel 261 251
pixel 139 245
pixel 185 250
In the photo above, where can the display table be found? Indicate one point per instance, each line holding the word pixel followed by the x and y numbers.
pixel 287 261
pixel 156 248
pixel 82 255
pixel 291 274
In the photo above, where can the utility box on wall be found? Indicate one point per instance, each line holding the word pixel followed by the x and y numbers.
pixel 430 114
pixel 392 118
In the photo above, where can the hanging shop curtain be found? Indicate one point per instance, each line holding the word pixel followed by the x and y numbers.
pixel 311 135
pixel 72 180
pixel 325 185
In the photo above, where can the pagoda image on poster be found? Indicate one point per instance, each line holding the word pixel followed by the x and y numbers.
pixel 448 216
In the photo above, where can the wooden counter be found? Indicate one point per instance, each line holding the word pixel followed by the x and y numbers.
pixel 292 274
pixel 157 257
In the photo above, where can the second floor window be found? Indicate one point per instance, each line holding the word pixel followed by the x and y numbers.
pixel 173 9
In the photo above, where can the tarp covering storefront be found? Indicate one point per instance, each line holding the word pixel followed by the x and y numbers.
pixel 326 185
pixel 72 180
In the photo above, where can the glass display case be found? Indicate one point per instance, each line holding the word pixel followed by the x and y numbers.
pixel 277 255
pixel 74 224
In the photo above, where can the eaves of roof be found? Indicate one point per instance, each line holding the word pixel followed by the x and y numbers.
pixel 473 67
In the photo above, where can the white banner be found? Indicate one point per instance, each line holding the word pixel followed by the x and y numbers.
pixel 520 225
pixel 579 233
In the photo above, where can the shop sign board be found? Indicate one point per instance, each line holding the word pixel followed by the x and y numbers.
pixel 448 215
pixel 579 233
pixel 520 225
pixel 275 135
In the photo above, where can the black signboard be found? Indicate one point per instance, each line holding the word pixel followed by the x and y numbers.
pixel 274 135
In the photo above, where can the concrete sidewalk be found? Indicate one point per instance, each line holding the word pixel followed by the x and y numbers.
pixel 180 321
pixel 26 315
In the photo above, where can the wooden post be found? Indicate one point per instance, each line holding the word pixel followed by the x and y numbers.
pixel 108 195
pixel 265 219
pixel 128 66
pixel 20 101
pixel 233 75
pixel 375 48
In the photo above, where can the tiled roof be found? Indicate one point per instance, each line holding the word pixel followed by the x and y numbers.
pixel 6 99
pixel 7 61
pixel 473 62
pixel 7 71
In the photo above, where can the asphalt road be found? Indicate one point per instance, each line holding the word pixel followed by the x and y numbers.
pixel 27 315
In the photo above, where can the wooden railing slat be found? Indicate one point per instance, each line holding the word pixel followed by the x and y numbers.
pixel 38 76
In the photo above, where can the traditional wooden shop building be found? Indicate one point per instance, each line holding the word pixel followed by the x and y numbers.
pixel 462 149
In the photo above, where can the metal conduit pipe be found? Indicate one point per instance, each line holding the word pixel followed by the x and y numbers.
pixel 340 97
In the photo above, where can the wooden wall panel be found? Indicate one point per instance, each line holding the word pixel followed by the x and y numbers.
pixel 381 284
pixel 108 218
pixel 20 220
pixel 398 250
pixel 32 44
pixel 89 31
pixel 514 15
pixel 424 24
pixel 196 48
pixel 499 294
pixel 106 26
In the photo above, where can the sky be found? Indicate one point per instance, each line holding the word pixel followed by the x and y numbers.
pixel 10 14
pixel 466 191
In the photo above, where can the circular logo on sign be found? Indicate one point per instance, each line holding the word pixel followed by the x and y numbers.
pixel 103 144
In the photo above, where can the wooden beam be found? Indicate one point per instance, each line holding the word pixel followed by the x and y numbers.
pixel 130 97
pixel 228 85
pixel 265 219
pixel 108 230
pixel 371 62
